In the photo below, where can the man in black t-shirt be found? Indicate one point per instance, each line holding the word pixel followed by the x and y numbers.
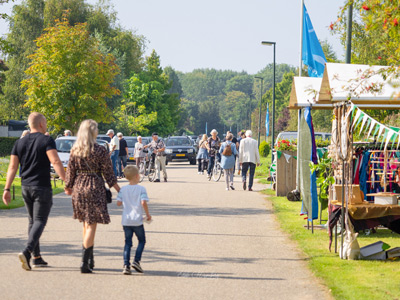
pixel 34 152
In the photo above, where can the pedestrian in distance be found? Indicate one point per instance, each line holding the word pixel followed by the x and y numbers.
pixel 133 198
pixel 202 155
pixel 114 150
pixel 88 164
pixel 242 135
pixel 214 144
pixel 158 148
pixel 234 141
pixel 228 153
pixel 249 157
pixel 122 155
pixel 139 153
pixel 34 153
pixel 67 133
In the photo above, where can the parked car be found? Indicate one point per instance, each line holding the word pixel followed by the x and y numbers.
pixel 104 137
pixel 180 148
pixel 64 145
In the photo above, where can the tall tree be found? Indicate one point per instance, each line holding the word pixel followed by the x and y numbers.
pixel 69 78
pixel 150 88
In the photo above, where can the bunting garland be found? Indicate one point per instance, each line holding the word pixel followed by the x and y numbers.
pixel 373 128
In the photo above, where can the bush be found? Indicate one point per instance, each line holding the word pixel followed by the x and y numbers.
pixel 6 145
pixel 264 149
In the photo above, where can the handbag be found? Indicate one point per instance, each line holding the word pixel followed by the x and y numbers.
pixel 108 191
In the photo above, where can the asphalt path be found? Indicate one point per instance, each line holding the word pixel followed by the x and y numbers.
pixel 204 243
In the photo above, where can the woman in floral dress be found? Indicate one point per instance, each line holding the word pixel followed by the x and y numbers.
pixel 87 166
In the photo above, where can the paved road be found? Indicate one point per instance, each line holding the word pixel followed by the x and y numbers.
pixel 204 243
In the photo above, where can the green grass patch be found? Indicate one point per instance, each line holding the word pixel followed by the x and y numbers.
pixel 345 278
pixel 263 170
pixel 18 201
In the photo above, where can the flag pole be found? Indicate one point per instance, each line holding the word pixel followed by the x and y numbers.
pixel 301 37
pixel 299 114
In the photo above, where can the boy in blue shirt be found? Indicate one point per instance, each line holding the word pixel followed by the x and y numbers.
pixel 134 199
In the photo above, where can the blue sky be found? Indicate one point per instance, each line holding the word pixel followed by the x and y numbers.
pixel 222 34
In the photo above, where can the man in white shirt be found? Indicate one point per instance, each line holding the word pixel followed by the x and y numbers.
pixel 114 149
pixel 249 157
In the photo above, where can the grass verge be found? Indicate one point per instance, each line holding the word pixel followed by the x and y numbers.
pixel 346 279
pixel 18 201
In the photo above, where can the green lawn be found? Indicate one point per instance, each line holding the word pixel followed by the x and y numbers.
pixel 346 279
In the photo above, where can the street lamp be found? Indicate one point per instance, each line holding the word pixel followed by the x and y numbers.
pixel 259 118
pixel 273 94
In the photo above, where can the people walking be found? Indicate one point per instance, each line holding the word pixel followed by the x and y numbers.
pixel 139 153
pixel 114 150
pixel 158 148
pixel 234 141
pixel 88 164
pixel 202 155
pixel 134 199
pixel 249 157
pixel 122 155
pixel 242 135
pixel 228 153
pixel 34 153
pixel 213 144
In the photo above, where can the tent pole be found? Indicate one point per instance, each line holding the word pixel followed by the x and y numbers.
pixel 343 209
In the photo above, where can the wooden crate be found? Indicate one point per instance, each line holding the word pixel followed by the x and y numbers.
pixel 286 174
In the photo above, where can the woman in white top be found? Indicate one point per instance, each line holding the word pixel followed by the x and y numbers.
pixel 139 154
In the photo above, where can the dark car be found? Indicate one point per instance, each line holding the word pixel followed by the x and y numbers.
pixel 180 148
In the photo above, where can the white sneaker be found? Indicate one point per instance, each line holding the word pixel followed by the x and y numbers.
pixel 227 189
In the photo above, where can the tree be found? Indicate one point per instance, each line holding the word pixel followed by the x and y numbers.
pixel 27 22
pixel 150 89
pixel 4 47
pixel 69 78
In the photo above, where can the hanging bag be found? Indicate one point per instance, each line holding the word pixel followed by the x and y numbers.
pixel 228 149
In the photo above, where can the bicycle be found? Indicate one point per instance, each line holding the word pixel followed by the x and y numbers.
pixel 151 169
pixel 217 171
pixel 142 170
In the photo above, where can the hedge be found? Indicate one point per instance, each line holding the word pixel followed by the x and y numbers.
pixel 6 145
pixel 264 149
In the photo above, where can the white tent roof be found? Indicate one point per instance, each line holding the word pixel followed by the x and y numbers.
pixel 304 93
pixel 339 79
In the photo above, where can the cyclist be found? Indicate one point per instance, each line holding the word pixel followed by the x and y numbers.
pixel 214 144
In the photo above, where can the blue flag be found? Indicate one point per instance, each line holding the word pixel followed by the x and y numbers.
pixel 267 121
pixel 312 55
pixel 206 127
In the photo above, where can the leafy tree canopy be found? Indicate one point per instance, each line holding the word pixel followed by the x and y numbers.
pixel 69 78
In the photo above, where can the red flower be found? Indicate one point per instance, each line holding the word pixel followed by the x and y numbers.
pixel 365 7
pixel 331 26
pixel 384 22
pixel 395 22
pixel 379 57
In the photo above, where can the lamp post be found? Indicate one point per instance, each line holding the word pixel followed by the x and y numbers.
pixel 259 118
pixel 273 94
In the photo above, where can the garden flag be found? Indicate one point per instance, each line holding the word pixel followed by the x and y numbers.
pixel 267 121
pixel 312 55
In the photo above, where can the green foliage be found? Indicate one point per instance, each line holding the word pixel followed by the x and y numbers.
pixel 264 149
pixel 6 145
pixel 69 78
pixel 27 22
pixel 325 178
pixel 149 90
pixel 321 143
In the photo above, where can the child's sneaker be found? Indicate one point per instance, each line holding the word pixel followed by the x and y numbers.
pixel 39 263
pixel 126 270
pixel 137 267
